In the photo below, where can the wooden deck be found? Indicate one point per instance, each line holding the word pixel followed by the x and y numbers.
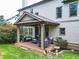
pixel 31 46
pixel 73 46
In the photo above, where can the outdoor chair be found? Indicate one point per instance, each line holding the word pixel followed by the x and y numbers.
pixel 27 38
pixel 50 40
pixel 34 40
pixel 46 43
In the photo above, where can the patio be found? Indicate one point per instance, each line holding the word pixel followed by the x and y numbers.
pixel 31 46
pixel 52 48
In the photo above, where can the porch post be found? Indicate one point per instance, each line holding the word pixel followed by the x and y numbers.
pixel 18 34
pixel 42 35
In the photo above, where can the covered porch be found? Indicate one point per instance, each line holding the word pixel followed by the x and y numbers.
pixel 38 29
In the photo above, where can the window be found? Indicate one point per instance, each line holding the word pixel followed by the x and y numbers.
pixel 36 13
pixel 59 12
pixel 62 31
pixel 29 31
pixel 73 9
pixel 31 11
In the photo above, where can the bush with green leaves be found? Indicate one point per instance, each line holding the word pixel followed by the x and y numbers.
pixel 62 43
pixel 8 34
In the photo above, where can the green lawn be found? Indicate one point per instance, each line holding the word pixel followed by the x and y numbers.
pixel 11 52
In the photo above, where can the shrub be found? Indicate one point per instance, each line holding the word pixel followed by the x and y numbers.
pixel 8 34
pixel 62 43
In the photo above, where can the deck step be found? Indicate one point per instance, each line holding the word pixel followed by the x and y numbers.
pixel 24 48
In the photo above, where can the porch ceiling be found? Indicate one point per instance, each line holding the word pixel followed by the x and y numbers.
pixel 30 19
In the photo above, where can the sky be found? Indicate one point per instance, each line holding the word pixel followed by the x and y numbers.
pixel 9 8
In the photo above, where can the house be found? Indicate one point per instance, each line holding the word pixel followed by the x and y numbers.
pixel 50 18
pixel 12 19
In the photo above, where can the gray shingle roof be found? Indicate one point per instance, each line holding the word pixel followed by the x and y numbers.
pixel 38 3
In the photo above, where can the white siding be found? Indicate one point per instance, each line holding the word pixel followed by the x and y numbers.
pixel 72 31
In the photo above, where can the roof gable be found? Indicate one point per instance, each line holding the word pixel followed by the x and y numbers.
pixel 27 17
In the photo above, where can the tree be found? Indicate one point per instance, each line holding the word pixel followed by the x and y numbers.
pixel 2 21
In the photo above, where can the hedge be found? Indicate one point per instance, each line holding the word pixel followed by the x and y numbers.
pixel 8 34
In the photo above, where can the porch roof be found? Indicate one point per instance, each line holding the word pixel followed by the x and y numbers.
pixel 34 19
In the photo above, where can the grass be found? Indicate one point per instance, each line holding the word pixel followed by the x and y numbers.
pixel 8 51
